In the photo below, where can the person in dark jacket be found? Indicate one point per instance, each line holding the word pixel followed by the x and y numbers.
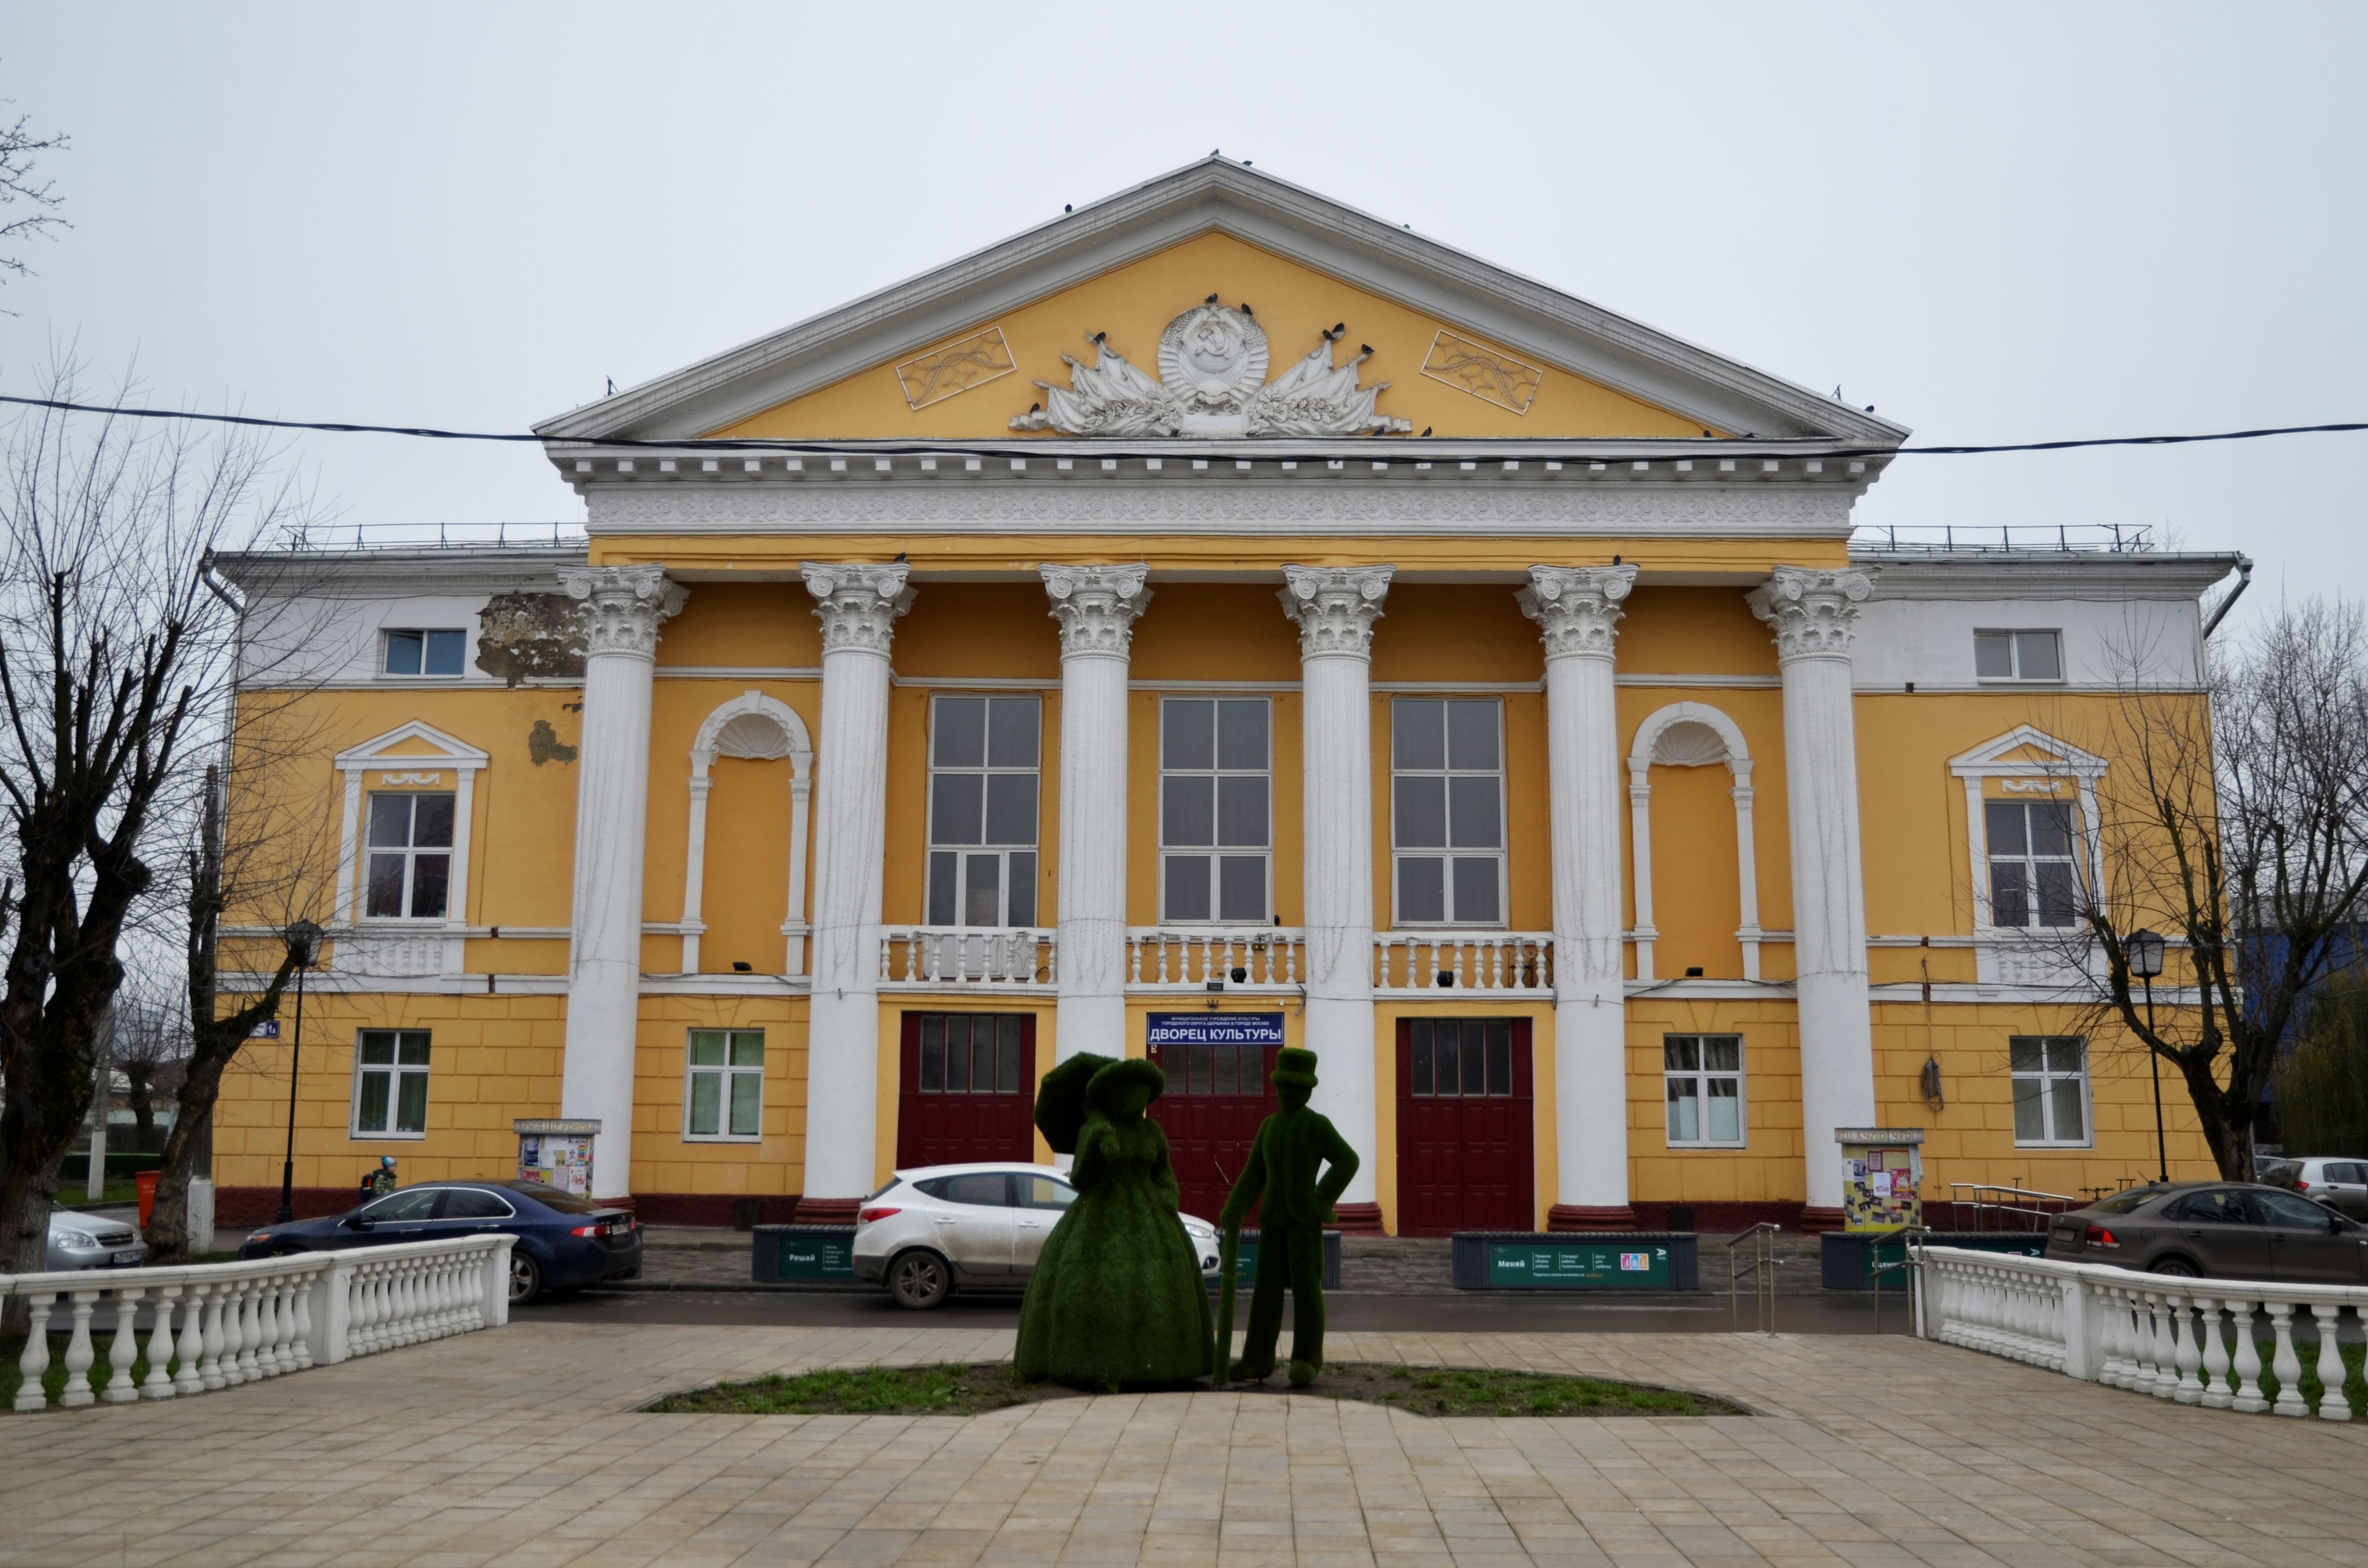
pixel 380 1182
pixel 1290 1145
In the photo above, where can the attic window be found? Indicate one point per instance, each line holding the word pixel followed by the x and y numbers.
pixel 424 652
pixel 2019 655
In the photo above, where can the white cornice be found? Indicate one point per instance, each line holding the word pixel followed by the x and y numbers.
pixel 2109 576
pixel 375 573
pixel 1215 194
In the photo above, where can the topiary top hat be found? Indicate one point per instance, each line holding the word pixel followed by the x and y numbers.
pixel 1293 1065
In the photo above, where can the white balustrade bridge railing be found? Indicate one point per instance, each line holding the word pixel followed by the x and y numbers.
pixel 2193 1341
pixel 214 1325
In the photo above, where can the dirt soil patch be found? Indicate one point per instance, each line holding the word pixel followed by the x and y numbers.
pixel 956 1388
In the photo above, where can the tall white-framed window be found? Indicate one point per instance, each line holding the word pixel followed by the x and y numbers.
pixel 410 850
pixel 723 1085
pixel 985 757
pixel 1216 818
pixel 2019 655
pixel 391 1084
pixel 1447 809
pixel 1701 1076
pixel 2033 856
pixel 422 650
pixel 2051 1089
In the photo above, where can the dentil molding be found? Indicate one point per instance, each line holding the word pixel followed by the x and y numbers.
pixel 1096 607
pixel 1336 607
pixel 624 605
pixel 1813 611
pixel 858 605
pixel 1578 608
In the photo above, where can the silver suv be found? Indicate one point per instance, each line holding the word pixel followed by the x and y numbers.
pixel 2339 1184
pixel 976 1227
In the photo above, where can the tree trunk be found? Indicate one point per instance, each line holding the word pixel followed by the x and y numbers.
pixel 143 1106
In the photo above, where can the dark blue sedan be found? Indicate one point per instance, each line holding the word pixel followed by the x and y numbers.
pixel 564 1242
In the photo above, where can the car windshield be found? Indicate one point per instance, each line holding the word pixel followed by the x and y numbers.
pixel 2280 1173
pixel 2123 1202
pixel 553 1199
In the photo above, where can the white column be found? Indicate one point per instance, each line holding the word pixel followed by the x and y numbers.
pixel 1096 607
pixel 1815 614
pixel 622 609
pixel 1578 610
pixel 857 607
pixel 1336 608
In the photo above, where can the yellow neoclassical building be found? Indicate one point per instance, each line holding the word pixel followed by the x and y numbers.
pixel 1212 621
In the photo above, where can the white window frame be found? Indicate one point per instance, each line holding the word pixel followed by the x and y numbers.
pixel 1701 1077
pixel 395 1072
pixel 411 852
pixel 447 763
pixel 1215 852
pixel 2060 769
pixel 386 648
pixel 2015 635
pixel 2047 1078
pixel 1034 848
pixel 728 1071
pixel 1447 772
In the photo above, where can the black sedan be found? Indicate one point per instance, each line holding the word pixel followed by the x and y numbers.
pixel 2215 1229
pixel 564 1242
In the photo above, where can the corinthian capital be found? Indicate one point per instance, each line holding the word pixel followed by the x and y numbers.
pixel 1813 611
pixel 1096 607
pixel 1336 607
pixel 858 605
pixel 1576 608
pixel 622 605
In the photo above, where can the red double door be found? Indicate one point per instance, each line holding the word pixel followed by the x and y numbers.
pixel 1216 1096
pixel 967 1090
pixel 1466 1116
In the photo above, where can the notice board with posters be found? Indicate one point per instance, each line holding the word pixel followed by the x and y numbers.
pixel 1883 1177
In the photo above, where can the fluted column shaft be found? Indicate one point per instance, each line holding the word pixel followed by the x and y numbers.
pixel 1814 614
pixel 1096 607
pixel 1336 608
pixel 624 606
pixel 857 607
pixel 1578 610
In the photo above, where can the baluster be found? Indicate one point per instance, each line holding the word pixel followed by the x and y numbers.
pixel 2245 1391
pixel 159 1383
pixel 1162 940
pixel 358 1310
pixel 2334 1400
pixel 405 1321
pixel 2215 1354
pixel 2149 1361
pixel 123 1350
pixel 189 1376
pixel 2190 1390
pixel 266 1327
pixel 250 1331
pixel 2287 1365
pixel 439 1297
pixel 219 1335
pixel 283 1321
pixel 1495 952
pixel 34 1364
pixel 79 1354
pixel 301 1349
pixel 1291 962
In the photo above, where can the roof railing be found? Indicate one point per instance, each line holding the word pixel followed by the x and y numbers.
pixel 2102 539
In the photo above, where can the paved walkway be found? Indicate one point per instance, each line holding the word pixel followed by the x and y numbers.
pixel 519 1448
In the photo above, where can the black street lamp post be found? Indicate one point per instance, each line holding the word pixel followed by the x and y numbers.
pixel 2144 951
pixel 305 941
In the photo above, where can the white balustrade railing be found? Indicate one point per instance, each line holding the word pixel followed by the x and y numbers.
pixel 1190 958
pixel 1508 962
pixel 215 1326
pixel 991 958
pixel 2193 1341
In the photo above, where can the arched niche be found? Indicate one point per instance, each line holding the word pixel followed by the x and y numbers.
pixel 762 729
pixel 1692 734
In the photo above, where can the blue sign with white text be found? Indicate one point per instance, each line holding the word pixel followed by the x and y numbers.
pixel 1215 1028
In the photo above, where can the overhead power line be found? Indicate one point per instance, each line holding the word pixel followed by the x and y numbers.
pixel 760 444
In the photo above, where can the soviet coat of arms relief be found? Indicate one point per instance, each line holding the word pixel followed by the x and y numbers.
pixel 1211 381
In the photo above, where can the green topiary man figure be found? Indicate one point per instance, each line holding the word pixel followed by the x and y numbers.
pixel 1291 1144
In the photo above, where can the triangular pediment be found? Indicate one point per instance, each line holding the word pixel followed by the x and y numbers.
pixel 1468 349
pixel 412 741
pixel 2027 752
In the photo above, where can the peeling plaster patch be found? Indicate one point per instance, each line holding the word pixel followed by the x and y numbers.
pixel 543 744
pixel 525 636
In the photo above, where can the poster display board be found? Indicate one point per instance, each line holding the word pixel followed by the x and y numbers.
pixel 1883 1176
pixel 557 1152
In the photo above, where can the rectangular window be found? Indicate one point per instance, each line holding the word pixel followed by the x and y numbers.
pixel 983 760
pixel 1461 1058
pixel 1212 1069
pixel 1215 817
pixel 970 1053
pixel 2051 1089
pixel 1447 809
pixel 2019 655
pixel 425 651
pixel 723 1090
pixel 2031 852
pixel 1703 1075
pixel 410 857
pixel 391 1084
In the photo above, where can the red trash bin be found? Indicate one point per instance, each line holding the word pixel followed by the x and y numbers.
pixel 147 1182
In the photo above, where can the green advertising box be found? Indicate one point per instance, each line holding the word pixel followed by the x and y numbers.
pixel 1547 1260
pixel 804 1255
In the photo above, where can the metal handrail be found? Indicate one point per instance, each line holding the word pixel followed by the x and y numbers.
pixel 1760 1270
pixel 1981 1206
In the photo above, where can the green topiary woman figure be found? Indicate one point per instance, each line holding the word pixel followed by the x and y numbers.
pixel 1117 1298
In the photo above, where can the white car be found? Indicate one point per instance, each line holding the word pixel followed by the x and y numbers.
pixel 2339 1184
pixel 979 1227
pixel 93 1240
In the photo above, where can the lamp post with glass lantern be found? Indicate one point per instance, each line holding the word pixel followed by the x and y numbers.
pixel 303 940
pixel 2144 950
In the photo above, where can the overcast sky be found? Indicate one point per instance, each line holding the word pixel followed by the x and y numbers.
pixel 1993 222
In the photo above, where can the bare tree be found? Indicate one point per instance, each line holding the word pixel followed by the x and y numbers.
pixel 2240 834
pixel 19 143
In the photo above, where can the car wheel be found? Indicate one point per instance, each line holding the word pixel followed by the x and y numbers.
pixel 2176 1268
pixel 919 1280
pixel 526 1278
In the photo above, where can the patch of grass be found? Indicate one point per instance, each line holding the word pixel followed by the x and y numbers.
pixel 53 1380
pixel 2355 1377
pixel 952 1388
